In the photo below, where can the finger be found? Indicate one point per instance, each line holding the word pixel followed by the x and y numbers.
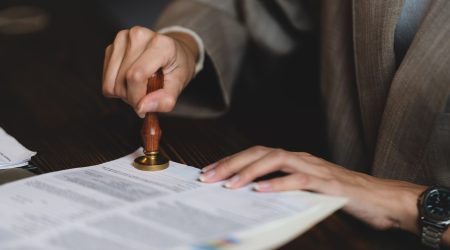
pixel 275 160
pixel 112 66
pixel 160 53
pixel 162 100
pixel 108 52
pixel 213 165
pixel 298 181
pixel 133 80
pixel 229 166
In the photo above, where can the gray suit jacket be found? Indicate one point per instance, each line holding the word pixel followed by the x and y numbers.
pixel 388 121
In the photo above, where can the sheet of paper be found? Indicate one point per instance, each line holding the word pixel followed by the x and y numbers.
pixel 12 153
pixel 114 206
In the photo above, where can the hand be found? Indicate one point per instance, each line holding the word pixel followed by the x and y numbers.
pixel 381 203
pixel 135 55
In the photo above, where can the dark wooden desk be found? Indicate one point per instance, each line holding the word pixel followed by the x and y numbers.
pixel 50 101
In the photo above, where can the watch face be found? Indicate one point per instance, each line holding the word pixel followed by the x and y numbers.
pixel 437 204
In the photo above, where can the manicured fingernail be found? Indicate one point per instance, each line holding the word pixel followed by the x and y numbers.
pixel 141 115
pixel 204 177
pixel 262 186
pixel 232 181
pixel 209 167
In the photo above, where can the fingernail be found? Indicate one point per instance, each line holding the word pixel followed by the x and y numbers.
pixel 262 186
pixel 204 177
pixel 209 167
pixel 148 107
pixel 232 181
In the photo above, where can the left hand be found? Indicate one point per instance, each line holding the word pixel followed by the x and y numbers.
pixel 379 202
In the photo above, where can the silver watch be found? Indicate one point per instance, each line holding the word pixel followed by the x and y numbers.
pixel 434 209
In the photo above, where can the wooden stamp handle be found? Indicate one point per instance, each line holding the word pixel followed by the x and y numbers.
pixel 151 132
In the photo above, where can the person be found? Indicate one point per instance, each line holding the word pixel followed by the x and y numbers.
pixel 385 83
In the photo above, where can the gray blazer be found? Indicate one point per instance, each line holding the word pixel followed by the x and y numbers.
pixel 388 121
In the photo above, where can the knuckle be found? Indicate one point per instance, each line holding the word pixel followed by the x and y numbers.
pixel 224 167
pixel 280 155
pixel 258 149
pixel 138 33
pixel 249 173
pixel 135 75
pixel 304 154
pixel 121 35
pixel 169 103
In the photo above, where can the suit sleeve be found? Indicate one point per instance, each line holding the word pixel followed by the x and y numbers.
pixel 224 39
pixel 225 27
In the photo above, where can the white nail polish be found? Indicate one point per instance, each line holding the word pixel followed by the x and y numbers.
pixel 232 181
pixel 209 167
pixel 261 186
pixel 207 175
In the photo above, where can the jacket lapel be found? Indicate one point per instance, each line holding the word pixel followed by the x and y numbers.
pixel 417 96
pixel 373 40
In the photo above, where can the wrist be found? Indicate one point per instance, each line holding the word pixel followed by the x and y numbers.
pixel 399 201
pixel 408 210
pixel 188 42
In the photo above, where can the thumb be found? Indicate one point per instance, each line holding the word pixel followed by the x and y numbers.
pixel 158 101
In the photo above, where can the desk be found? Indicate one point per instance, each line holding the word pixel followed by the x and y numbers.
pixel 50 101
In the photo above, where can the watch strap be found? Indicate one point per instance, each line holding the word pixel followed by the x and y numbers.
pixel 431 236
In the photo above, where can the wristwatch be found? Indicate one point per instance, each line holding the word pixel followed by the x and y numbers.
pixel 434 210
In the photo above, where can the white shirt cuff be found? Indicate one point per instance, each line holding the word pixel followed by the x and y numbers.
pixel 198 40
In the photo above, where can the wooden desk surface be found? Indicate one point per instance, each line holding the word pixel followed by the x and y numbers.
pixel 50 101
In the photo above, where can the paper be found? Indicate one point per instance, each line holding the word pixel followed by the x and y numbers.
pixel 114 206
pixel 12 153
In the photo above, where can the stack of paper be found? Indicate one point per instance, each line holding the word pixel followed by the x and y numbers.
pixel 114 206
pixel 12 153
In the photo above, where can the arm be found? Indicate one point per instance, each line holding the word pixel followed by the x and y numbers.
pixel 223 35
pixel 382 203
pixel 224 27
pixel 137 53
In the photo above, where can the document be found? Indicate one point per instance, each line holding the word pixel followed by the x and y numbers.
pixel 115 206
pixel 12 153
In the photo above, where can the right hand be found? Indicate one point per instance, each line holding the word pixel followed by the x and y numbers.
pixel 135 55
